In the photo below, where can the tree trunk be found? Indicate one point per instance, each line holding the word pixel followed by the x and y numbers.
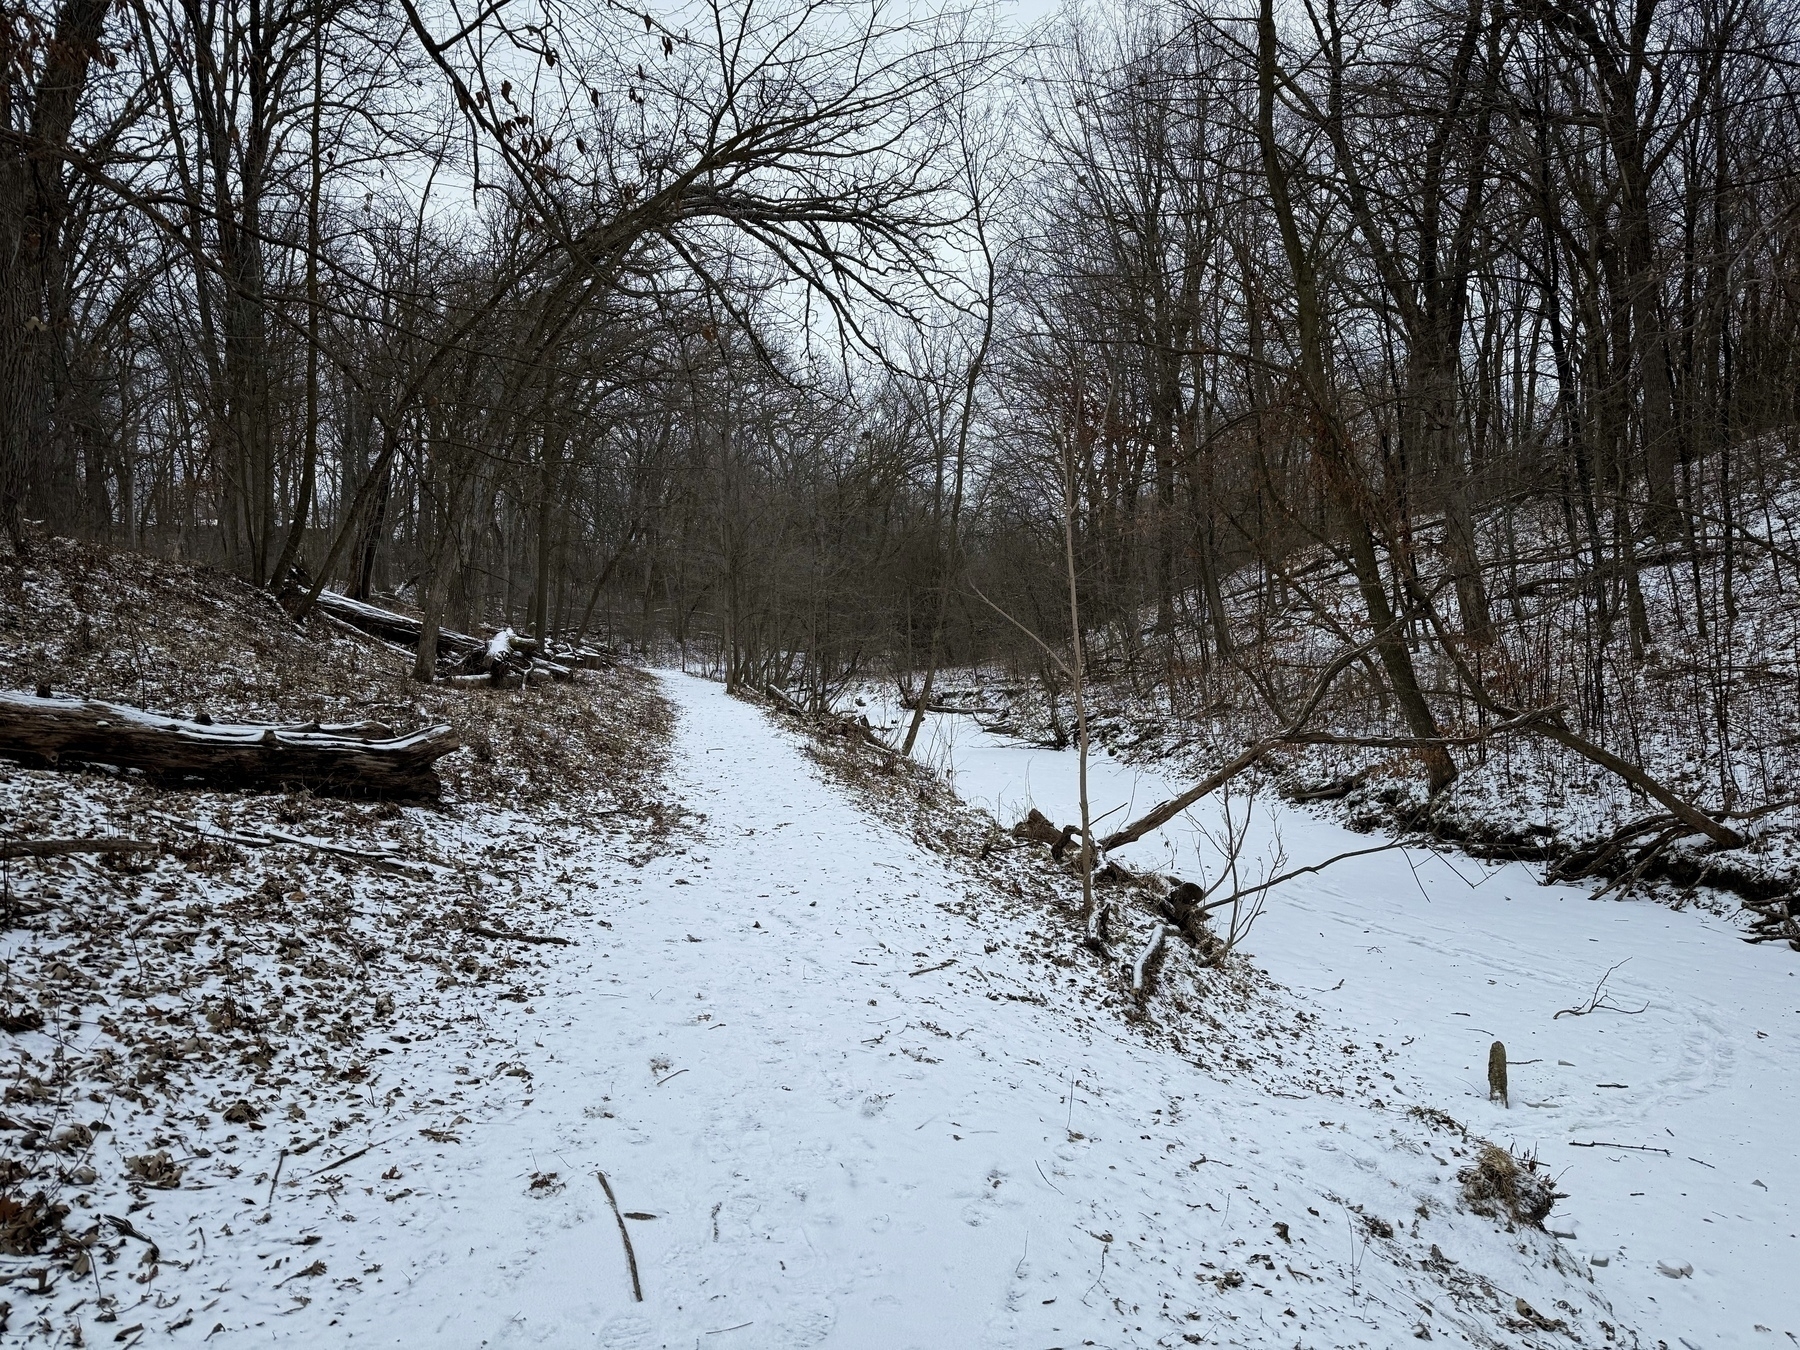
pixel 1332 447
pixel 34 207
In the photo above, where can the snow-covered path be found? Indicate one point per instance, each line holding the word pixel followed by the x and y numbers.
pixel 844 1141
pixel 1443 956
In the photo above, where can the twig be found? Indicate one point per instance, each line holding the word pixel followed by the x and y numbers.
pixel 1598 999
pixel 1635 1148
pixel 276 1178
pixel 347 1158
pixel 637 1290
pixel 928 969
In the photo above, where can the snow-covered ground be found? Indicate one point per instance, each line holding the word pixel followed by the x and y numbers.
pixel 856 1106
pixel 845 1096
pixel 1439 956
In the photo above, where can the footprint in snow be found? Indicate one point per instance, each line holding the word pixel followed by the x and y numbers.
pixel 628 1332
pixel 806 1325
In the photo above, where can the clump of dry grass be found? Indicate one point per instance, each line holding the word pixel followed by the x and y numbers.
pixel 1503 1186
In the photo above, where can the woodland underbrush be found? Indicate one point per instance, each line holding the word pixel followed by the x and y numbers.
pixel 246 985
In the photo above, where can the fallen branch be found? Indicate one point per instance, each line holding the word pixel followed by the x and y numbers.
pixel 1555 729
pixel 1598 999
pixel 384 860
pixel 1163 814
pixel 57 848
pixel 637 1290
pixel 347 1158
pixel 1148 954
pixel 1589 862
pixel 269 838
pixel 1635 1148
pixel 1249 756
pixel 539 939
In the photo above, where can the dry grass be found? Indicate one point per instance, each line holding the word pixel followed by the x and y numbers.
pixel 1503 1186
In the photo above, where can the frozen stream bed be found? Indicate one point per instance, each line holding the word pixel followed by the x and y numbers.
pixel 1441 956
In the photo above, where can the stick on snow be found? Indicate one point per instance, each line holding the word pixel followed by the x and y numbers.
pixel 637 1290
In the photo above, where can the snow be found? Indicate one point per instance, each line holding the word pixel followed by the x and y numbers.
pixel 871 1102
pixel 1441 955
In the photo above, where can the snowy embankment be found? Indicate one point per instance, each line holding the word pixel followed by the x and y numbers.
pixel 1665 1114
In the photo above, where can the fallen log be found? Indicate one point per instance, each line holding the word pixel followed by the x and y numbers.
pixel 338 761
pixel 389 626
pixel 506 661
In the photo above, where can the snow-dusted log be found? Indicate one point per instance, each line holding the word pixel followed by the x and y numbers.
pixel 504 659
pixel 343 760
pixel 391 627
pixel 1146 956
pixel 508 660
